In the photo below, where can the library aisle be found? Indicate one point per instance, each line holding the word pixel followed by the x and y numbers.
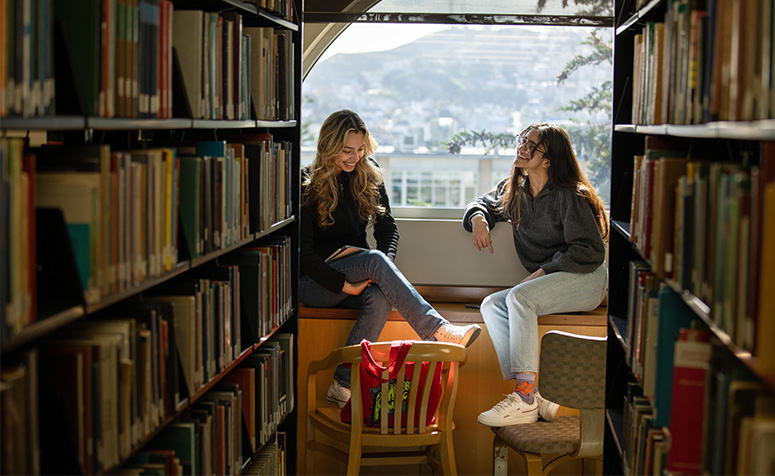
pixel 149 198
pixel 691 361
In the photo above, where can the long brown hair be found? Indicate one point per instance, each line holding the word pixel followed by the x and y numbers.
pixel 321 184
pixel 564 172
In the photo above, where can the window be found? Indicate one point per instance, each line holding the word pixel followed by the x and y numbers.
pixel 419 86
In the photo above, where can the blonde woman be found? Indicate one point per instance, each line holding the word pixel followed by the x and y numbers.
pixel 342 193
pixel 559 226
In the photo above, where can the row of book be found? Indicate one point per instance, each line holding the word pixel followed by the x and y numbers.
pixel 713 418
pixel 708 226
pixel 235 421
pixel 270 461
pixel 94 393
pixel 227 68
pixel 708 60
pixel 283 8
pixel 265 271
pixel 27 85
pixel 121 61
pixel 128 213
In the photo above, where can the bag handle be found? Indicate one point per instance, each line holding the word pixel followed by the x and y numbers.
pixel 398 352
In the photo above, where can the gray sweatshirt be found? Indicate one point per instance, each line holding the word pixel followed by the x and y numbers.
pixel 557 229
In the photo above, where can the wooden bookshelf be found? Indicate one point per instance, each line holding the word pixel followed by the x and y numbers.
pixel 101 109
pixel 706 155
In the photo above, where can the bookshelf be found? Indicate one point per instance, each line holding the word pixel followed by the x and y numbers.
pixel 149 199
pixel 690 256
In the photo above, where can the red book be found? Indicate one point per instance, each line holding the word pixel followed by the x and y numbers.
pixel 692 354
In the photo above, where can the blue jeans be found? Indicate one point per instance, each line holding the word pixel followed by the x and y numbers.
pixel 511 315
pixel 389 290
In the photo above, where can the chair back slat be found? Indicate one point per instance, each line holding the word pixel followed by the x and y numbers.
pixel 399 399
pixel 572 370
pixel 384 404
pixel 427 390
pixel 411 409
pixel 355 403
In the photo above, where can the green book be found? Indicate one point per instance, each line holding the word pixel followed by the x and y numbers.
pixel 190 204
pixel 180 437
pixel 81 25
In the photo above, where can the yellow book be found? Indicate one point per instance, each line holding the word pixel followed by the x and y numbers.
pixel 765 326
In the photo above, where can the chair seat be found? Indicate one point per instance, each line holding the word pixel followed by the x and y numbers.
pixel 331 417
pixel 559 437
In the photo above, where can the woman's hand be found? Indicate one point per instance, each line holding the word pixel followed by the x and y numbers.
pixel 481 233
pixel 537 274
pixel 355 289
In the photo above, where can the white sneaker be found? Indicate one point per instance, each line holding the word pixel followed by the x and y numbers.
pixel 337 395
pixel 546 409
pixel 510 411
pixel 452 334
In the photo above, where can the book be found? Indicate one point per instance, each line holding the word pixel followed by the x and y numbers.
pixel 184 323
pixel 179 436
pixel 188 42
pixel 741 400
pixel 757 438
pixel 345 250
pixel 80 23
pixel 78 196
pixel 286 340
pixel 245 378
pixel 190 205
pixel 253 294
pixel 692 354
pixel 666 174
pixel 765 323
pixel 673 316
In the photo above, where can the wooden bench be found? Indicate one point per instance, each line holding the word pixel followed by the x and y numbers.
pixel 454 303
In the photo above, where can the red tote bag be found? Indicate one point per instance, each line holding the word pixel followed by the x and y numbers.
pixel 371 385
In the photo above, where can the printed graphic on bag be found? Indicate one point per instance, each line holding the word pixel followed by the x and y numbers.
pixel 376 401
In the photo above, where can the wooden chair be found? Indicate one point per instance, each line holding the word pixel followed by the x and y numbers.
pixel 394 444
pixel 572 374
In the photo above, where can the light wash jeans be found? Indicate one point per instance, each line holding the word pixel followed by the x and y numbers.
pixel 389 290
pixel 511 315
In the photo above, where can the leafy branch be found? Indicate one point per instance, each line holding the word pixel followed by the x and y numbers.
pixel 602 51
pixel 490 141
pixel 598 99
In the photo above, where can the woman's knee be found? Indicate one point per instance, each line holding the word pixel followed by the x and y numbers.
pixel 376 258
pixel 518 296
pixel 376 301
pixel 489 304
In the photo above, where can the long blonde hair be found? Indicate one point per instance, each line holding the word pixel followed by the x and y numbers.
pixel 564 172
pixel 321 184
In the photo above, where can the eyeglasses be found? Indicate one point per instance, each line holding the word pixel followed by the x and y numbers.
pixel 530 146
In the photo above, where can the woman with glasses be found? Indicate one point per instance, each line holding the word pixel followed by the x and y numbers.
pixel 559 226
pixel 342 193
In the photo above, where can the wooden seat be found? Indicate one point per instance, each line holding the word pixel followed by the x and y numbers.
pixel 390 444
pixel 572 374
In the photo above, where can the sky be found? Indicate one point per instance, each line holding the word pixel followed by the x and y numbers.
pixel 363 37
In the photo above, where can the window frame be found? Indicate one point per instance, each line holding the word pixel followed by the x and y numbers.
pixel 333 23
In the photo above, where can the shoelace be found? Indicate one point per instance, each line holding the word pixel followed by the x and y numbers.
pixel 503 404
pixel 454 331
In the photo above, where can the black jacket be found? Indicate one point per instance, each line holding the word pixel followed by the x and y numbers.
pixel 318 243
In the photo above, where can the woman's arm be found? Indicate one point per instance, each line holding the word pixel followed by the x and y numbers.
pixel 311 263
pixel 486 206
pixel 385 228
